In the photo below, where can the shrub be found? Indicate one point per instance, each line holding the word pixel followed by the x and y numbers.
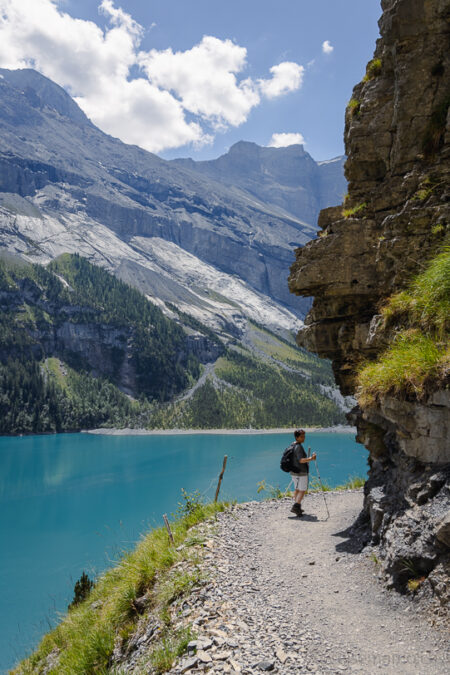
pixel 193 501
pixel 82 588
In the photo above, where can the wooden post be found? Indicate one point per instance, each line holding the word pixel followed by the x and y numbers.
pixel 220 477
pixel 166 520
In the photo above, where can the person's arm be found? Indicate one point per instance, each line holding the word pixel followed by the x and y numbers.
pixel 305 460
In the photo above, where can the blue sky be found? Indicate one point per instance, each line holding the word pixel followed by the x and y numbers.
pixel 145 72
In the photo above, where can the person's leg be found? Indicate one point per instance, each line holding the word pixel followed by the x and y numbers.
pixel 302 487
pixel 296 507
pixel 298 496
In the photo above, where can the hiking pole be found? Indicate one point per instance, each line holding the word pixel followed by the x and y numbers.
pixel 320 481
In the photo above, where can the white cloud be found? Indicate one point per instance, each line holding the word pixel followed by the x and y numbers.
pixel 204 79
pixel 327 48
pixel 204 82
pixel 282 140
pixel 286 77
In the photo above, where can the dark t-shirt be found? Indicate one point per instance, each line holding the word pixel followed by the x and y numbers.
pixel 298 454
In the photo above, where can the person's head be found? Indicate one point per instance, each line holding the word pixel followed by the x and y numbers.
pixel 299 435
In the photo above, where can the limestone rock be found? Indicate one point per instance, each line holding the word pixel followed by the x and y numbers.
pixel 443 530
pixel 369 249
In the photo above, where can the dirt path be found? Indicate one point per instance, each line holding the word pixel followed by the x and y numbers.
pixel 288 595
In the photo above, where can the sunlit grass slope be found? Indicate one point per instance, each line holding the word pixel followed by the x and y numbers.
pixel 84 640
pixel 418 359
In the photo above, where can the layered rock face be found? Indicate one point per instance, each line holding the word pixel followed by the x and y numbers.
pixel 394 219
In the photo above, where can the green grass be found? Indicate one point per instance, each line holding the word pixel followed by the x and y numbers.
pixel 357 210
pixel 354 107
pixel 172 645
pixel 352 483
pixel 373 69
pixel 286 354
pixel 86 636
pixel 52 366
pixel 411 363
pixel 428 186
pixel 275 492
pixel 418 358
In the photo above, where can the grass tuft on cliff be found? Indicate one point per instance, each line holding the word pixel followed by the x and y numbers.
pixel 373 69
pixel 419 357
pixel 83 642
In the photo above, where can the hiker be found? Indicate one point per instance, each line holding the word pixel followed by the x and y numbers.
pixel 300 470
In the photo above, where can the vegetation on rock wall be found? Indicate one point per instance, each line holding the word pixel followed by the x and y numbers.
pixel 418 359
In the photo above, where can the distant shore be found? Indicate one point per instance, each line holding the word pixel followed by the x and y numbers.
pixel 340 429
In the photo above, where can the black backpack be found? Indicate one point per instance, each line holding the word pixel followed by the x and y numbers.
pixel 287 458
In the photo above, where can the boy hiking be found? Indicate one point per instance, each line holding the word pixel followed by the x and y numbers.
pixel 299 472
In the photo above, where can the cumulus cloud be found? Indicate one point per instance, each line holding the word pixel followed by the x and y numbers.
pixel 179 98
pixel 286 77
pixel 327 48
pixel 282 140
pixel 204 79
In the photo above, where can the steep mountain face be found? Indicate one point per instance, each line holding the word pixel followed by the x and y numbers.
pixel 394 220
pixel 288 178
pixel 74 339
pixel 66 186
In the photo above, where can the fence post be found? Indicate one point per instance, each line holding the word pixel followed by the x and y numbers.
pixel 166 520
pixel 220 477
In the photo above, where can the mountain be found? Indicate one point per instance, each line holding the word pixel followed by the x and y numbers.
pixel 212 254
pixel 177 234
pixel 80 349
pixel 288 178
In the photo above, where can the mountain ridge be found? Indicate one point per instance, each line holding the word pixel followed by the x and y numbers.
pixel 80 181
pixel 286 177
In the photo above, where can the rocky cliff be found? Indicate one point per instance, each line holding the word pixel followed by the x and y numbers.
pixel 394 219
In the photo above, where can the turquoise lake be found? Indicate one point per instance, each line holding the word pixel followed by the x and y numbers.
pixel 73 502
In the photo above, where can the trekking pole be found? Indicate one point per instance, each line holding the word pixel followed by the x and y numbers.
pixel 320 481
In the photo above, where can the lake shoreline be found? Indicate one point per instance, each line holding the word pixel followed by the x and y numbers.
pixel 340 429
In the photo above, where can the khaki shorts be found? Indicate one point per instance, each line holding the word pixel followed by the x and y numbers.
pixel 300 481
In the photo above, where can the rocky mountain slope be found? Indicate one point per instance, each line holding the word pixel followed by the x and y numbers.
pixel 393 223
pixel 177 234
pixel 288 178
pixel 81 349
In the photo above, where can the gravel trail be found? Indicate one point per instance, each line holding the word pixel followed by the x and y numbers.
pixel 289 595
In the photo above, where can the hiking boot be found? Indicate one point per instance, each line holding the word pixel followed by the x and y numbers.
pixel 297 509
